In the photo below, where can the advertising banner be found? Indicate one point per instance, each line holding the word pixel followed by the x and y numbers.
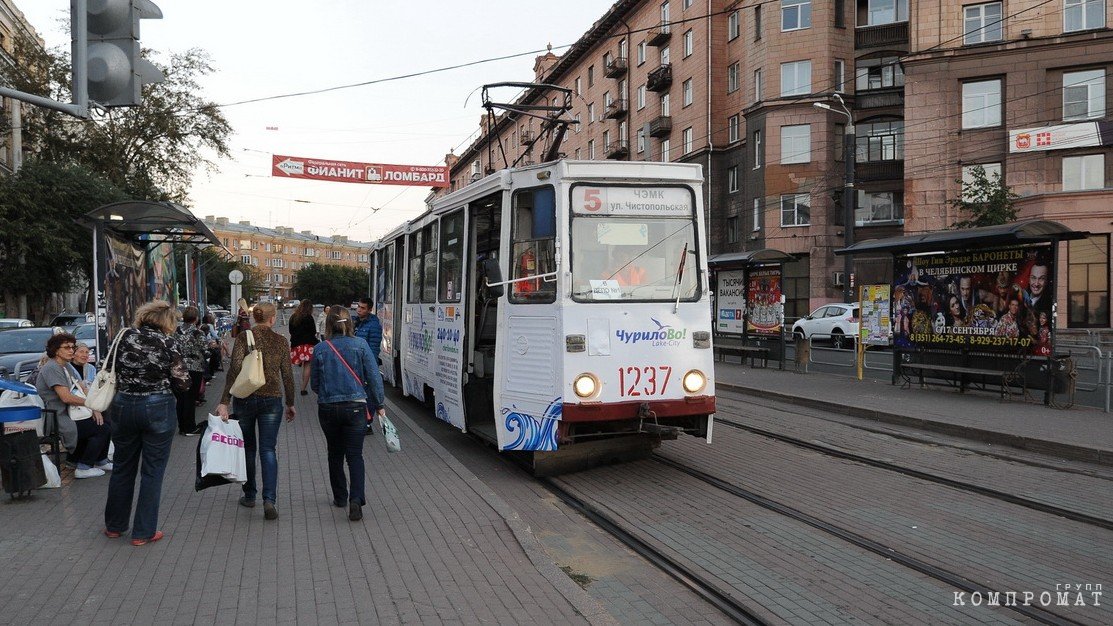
pixel 764 313
pixel 730 302
pixel 283 166
pixel 986 300
pixel 876 328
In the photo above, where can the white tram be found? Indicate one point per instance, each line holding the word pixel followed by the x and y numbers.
pixel 561 309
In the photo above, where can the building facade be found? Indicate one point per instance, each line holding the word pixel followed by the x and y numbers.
pixel 13 25
pixel 281 251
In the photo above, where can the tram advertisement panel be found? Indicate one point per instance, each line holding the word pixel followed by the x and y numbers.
pixel 764 313
pixel 449 366
pixel 996 300
pixel 730 301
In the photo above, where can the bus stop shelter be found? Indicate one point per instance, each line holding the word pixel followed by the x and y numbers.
pixel 749 304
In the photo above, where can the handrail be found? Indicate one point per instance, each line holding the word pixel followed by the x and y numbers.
pixel 544 277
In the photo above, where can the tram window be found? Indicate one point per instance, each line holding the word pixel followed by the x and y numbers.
pixel 384 275
pixel 533 245
pixel 452 245
pixel 413 294
pixel 429 280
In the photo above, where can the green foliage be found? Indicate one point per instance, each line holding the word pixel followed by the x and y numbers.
pixel 216 267
pixel 988 201
pixel 332 284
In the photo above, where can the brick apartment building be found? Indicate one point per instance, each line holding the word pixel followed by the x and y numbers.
pixel 281 251
pixel 731 85
pixel 13 25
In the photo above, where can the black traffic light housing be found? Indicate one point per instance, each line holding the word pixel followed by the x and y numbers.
pixel 116 70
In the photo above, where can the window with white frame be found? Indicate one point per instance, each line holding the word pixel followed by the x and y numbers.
pixel 796 143
pixel 757 214
pixel 878 207
pixel 687 138
pixel 992 174
pixel 982 23
pixel 1083 15
pixel 606 140
pixel 267 247
pixel 757 85
pixel 1083 95
pixel 665 104
pixel 577 127
pixel 476 168
pixel 796 78
pixel 687 4
pixel 665 13
pixel 578 90
pixel 796 210
pixel 245 259
pixel 981 104
pixel 886 12
pixel 878 73
pixel 879 141
pixel 665 56
pixel 733 70
pixel 733 124
pixel 734 25
pixel 590 112
pixel 666 148
pixel 758 154
pixel 689 43
pixel 732 179
pixel 641 140
pixel 796 14
pixel 641 53
pixel 1084 172
pixel 840 76
pixel 591 148
pixel 640 97
pixel 686 91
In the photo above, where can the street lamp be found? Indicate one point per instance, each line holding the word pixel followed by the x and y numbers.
pixel 849 195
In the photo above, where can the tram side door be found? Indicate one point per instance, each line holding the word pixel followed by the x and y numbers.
pixel 481 312
pixel 448 338
pixel 387 299
pixel 419 311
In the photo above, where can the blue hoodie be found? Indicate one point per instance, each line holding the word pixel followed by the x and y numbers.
pixel 331 380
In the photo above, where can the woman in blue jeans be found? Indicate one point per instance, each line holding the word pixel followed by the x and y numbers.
pixel 144 416
pixel 345 376
pixel 260 414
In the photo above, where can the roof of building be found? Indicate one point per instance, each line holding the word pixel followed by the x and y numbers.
pixel 288 235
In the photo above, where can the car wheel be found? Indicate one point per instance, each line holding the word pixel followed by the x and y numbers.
pixel 838 340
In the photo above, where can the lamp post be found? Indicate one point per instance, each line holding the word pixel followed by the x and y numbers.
pixel 849 194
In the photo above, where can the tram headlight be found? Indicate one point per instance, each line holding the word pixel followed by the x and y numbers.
pixel 585 385
pixel 694 381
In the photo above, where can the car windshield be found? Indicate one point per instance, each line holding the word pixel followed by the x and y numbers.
pixel 24 340
pixel 86 331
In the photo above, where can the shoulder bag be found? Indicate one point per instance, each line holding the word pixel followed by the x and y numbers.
pixel 103 388
pixel 390 433
pixel 75 411
pixel 251 376
pixel 351 371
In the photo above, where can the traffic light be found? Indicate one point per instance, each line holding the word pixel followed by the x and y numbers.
pixel 116 70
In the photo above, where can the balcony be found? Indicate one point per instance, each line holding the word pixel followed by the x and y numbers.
pixel 659 36
pixel 879 170
pixel 659 79
pixel 882 36
pixel 616 109
pixel 525 137
pixel 616 68
pixel 618 149
pixel 877 99
pixel 660 126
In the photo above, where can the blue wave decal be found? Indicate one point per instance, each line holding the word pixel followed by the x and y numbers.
pixel 442 413
pixel 534 433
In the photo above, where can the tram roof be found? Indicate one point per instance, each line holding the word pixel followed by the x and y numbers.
pixel 1014 233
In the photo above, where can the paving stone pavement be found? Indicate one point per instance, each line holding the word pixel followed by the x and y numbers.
pixel 435 546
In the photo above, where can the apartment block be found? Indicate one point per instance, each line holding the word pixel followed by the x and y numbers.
pixel 13 25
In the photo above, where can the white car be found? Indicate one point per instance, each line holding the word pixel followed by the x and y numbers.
pixel 837 322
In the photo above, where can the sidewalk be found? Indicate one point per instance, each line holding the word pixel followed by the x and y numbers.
pixel 1079 433
pixel 435 546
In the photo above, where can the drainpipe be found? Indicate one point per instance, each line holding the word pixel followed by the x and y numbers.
pixel 629 114
pixel 710 141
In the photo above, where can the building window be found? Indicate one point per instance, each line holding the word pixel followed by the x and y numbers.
pixel 796 143
pixel 732 229
pixel 879 73
pixel 795 210
pixel 476 168
pixel 687 4
pixel 641 140
pixel 590 112
pixel 665 14
pixel 640 97
pixel 732 76
pixel 758 158
pixel 757 85
pixel 666 148
pixel 606 100
pixel 992 174
pixel 590 75
pixel 1084 172
pixel 880 141
pixel 245 259
pixel 578 90
pixel 665 104
pixel 981 104
pixel 757 22
pixel 981 23
pixel 687 137
pixel 879 207
pixel 796 78
pixel 591 148
pixel 886 12
pixel 606 139
pixel 577 126
pixel 689 43
pixel 1083 15
pixel 840 76
pixel 1087 283
pixel 641 53
pixel 666 55
pixel 840 14
pixel 757 214
pixel 1083 95
pixel 733 124
pixel 796 14
pixel 732 179
pixel 733 25
pixel 686 91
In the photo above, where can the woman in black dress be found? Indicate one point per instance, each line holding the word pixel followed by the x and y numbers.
pixel 303 336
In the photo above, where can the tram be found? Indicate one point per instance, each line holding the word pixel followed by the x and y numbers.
pixel 560 309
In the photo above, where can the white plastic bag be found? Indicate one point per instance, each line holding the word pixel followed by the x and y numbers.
pixel 111 450
pixel 14 399
pixel 222 450
pixel 390 434
pixel 53 478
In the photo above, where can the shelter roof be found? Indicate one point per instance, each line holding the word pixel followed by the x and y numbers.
pixel 144 222
pixel 1015 233
pixel 750 257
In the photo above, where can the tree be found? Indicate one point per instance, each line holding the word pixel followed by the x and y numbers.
pixel 150 151
pixel 216 269
pixel 332 284
pixel 988 201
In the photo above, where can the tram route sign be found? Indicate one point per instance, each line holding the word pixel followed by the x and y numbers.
pixel 284 166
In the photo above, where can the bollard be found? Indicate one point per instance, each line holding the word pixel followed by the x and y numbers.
pixel 803 352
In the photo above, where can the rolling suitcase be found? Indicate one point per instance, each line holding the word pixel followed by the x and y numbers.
pixel 21 464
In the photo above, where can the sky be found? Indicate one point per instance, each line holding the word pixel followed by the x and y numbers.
pixel 265 48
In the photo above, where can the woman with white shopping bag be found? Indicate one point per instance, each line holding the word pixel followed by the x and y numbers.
pixel 345 375
pixel 259 407
pixel 60 388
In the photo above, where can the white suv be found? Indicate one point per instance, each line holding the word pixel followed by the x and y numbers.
pixel 837 322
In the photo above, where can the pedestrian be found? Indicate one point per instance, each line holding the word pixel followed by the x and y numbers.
pixel 345 377
pixel 303 336
pixel 193 347
pixel 83 432
pixel 147 365
pixel 368 328
pixel 261 410
pixel 243 319
pixel 85 372
pixel 208 327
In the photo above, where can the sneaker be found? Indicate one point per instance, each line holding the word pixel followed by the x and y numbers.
pixel 269 510
pixel 200 430
pixel 355 512
pixel 339 503
pixel 104 466
pixel 92 472
pixel 245 502
pixel 190 433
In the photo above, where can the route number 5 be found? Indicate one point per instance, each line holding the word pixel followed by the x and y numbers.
pixel 592 201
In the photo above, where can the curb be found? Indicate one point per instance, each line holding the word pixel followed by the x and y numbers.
pixel 581 600
pixel 1059 449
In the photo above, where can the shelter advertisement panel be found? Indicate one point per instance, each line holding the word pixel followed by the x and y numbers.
pixel 987 300
pixel 876 328
pixel 765 313
pixel 730 302
pixel 123 283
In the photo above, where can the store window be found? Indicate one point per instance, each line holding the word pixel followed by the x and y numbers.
pixel 1088 282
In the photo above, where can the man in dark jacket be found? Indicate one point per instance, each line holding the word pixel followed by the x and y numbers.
pixel 368 328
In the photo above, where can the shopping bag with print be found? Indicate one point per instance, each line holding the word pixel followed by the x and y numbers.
pixel 390 434
pixel 220 454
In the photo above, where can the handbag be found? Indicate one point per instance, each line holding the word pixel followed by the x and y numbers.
pixel 103 388
pixel 77 412
pixel 366 409
pixel 251 376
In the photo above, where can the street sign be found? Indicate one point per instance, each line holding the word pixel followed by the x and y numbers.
pixel 354 172
pixel 235 277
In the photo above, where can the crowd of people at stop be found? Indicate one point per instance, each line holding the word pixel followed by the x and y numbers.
pixel 162 363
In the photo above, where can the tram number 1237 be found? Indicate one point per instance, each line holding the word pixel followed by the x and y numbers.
pixel 644 381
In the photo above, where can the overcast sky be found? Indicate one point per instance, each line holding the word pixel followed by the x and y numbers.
pixel 271 47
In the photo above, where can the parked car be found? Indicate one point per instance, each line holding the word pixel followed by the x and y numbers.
pixel 15 322
pixel 69 320
pixel 22 344
pixel 292 304
pixel 836 322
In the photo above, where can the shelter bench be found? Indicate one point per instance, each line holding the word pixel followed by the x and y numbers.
pixel 1007 369
pixel 753 353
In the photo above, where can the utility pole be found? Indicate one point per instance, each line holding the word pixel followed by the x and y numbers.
pixel 849 193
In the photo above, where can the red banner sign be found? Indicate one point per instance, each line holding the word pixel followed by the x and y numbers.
pixel 352 172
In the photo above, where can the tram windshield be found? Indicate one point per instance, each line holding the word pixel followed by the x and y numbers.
pixel 633 243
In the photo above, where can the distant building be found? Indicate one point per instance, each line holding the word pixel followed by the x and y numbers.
pixel 12 26
pixel 281 251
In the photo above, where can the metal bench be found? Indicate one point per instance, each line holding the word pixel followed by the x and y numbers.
pixel 753 353
pixel 1011 375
